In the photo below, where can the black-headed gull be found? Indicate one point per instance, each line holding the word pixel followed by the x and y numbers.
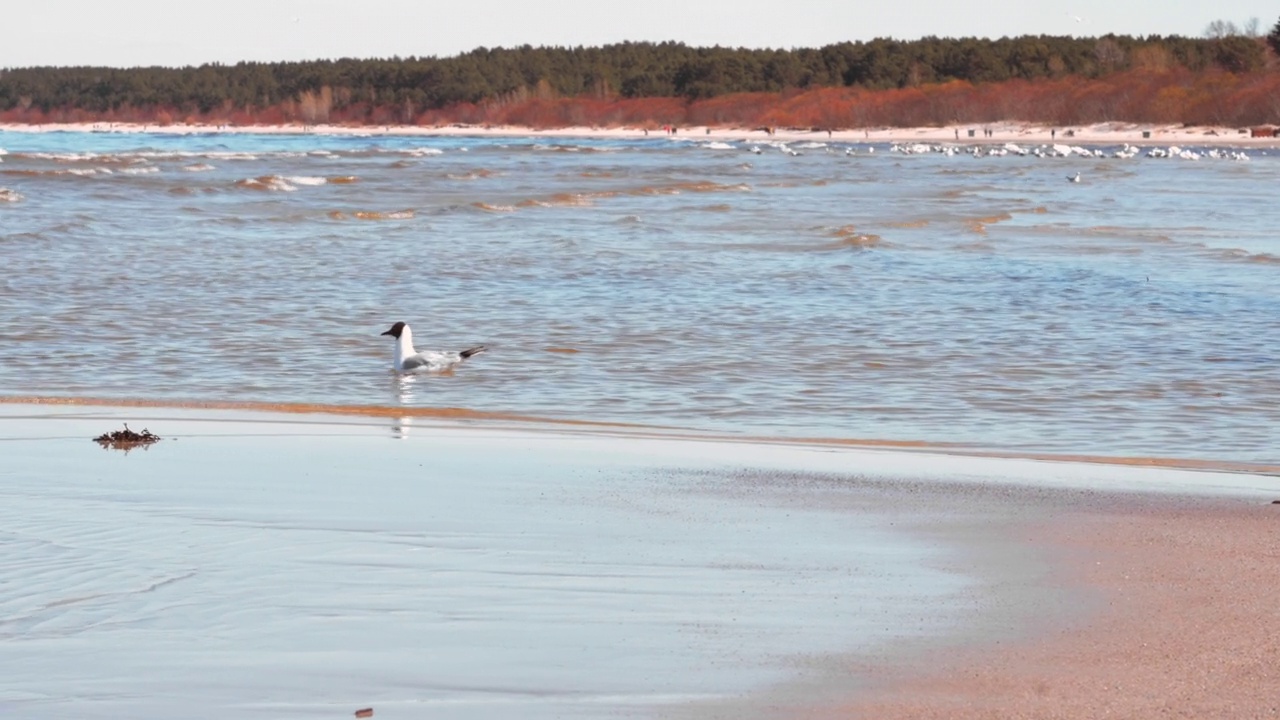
pixel 410 360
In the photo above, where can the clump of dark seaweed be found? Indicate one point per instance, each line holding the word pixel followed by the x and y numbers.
pixel 126 439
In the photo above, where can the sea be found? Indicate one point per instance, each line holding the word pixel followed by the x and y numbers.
pixel 951 296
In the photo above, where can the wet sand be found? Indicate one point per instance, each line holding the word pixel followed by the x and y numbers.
pixel 1184 623
pixel 462 571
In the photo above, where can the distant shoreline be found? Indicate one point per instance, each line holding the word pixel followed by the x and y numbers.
pixel 1000 133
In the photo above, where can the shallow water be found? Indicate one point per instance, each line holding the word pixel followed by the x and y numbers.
pixel 280 569
pixel 924 297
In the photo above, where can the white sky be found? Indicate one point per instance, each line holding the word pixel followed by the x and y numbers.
pixel 174 32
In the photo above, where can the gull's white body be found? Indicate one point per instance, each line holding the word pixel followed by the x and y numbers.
pixel 409 359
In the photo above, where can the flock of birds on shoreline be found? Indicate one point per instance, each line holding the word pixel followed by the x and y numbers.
pixel 1059 150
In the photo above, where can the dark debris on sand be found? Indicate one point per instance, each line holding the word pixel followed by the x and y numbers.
pixel 126 439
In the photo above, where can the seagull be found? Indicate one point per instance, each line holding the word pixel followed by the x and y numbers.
pixel 410 360
pixel 1074 178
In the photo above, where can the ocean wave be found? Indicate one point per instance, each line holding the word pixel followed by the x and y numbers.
pixel 477 174
pixel 59 157
pixel 699 186
pixel 849 237
pixel 563 200
pixel 7 195
pixel 1236 254
pixel 188 155
pixel 423 152
pixel 75 172
pixel 374 215
pixel 266 183
pixel 140 170
pixel 228 156
pixel 309 180
pixel 543 147
pixel 198 167
pixel 493 208
pixel 588 198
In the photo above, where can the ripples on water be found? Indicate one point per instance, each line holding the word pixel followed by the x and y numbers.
pixel 936 298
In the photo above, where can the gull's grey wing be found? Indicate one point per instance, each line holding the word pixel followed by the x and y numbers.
pixel 430 360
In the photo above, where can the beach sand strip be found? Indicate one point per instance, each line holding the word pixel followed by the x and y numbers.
pixel 1179 618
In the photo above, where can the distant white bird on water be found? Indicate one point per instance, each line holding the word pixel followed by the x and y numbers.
pixel 410 360
pixel 1074 178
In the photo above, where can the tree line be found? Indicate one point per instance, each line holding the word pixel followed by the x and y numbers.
pixel 407 89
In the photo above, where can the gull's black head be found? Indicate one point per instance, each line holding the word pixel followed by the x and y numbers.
pixel 395 330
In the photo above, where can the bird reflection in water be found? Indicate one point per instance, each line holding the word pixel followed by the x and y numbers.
pixel 403 389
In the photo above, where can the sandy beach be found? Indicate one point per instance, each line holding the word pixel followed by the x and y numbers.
pixel 1181 623
pixel 1125 605
pixel 1001 133
pixel 739 579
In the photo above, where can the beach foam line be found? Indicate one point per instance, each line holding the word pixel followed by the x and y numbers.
pixel 642 430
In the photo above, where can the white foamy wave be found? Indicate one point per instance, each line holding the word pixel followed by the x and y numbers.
pixel 198 167
pixel 3 151
pixel 273 183
pixel 719 146
pixel 7 195
pixel 63 157
pixel 493 208
pixel 811 145
pixel 423 152
pixel 189 154
pixel 306 180
pixel 140 170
